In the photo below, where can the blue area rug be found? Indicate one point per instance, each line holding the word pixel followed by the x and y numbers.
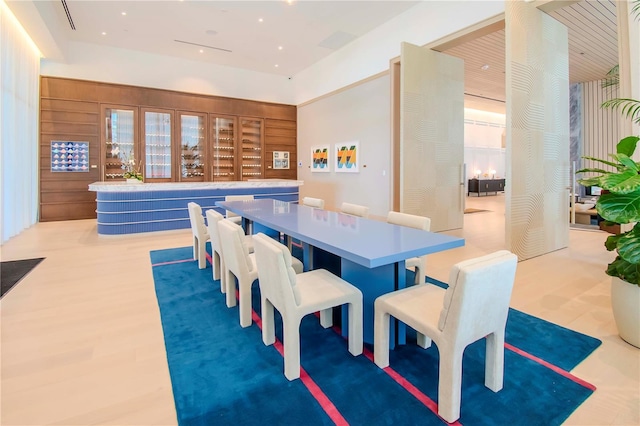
pixel 223 374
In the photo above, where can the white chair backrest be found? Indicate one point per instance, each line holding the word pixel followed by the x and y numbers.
pixel 477 300
pixel 355 209
pixel 213 217
pixel 197 220
pixel 276 276
pixel 236 198
pixel 318 203
pixel 234 249
pixel 410 220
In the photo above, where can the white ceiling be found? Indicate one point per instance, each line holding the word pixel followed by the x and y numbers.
pixel 228 32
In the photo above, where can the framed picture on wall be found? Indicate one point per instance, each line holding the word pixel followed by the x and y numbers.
pixel 280 160
pixel 347 157
pixel 320 161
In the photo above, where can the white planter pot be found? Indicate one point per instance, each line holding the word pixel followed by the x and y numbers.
pixel 625 301
pixel 133 181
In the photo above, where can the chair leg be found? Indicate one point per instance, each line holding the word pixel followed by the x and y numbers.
pixel 245 304
pixel 195 248
pixel 326 318
pixel 202 254
pixel 291 336
pixel 494 361
pixel 423 341
pixel 450 384
pixel 223 276
pixel 355 327
pixel 215 266
pixel 268 326
pixel 231 289
pixel 420 276
pixel 381 336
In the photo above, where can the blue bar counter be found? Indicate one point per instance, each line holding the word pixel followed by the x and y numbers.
pixel 131 208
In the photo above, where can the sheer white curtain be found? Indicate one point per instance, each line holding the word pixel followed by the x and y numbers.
pixel 19 76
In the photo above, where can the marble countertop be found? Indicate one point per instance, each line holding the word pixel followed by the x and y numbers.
pixel 172 186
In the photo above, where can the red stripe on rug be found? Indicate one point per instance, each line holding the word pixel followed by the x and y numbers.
pixel 173 262
pixel 551 366
pixel 209 259
pixel 408 386
pixel 309 383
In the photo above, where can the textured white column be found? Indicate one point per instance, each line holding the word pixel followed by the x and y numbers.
pixel 537 81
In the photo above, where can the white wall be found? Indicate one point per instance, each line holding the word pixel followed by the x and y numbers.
pixel 361 114
pixel 484 134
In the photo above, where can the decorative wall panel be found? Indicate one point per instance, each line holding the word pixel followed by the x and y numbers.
pixel 537 72
pixel 432 136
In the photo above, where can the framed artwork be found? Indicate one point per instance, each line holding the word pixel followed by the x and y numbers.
pixel 69 156
pixel 347 157
pixel 280 160
pixel 320 159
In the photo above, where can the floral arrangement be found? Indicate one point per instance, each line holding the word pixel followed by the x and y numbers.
pixel 131 171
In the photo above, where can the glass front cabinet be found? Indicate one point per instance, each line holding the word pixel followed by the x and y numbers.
pixel 193 143
pixel 157 144
pixel 119 148
pixel 252 148
pixel 179 146
pixel 223 148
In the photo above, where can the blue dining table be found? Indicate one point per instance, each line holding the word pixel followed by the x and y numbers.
pixel 369 254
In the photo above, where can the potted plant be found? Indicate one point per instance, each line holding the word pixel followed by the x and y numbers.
pixel 620 203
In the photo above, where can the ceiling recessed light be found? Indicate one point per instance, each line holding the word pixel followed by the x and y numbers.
pixel 279 47
pixel 201 51
pixel 260 20
pixel 104 33
pixel 124 13
pixel 211 32
pixel 276 65
pixel 484 67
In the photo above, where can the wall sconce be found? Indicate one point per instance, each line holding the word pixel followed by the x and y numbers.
pixel 478 173
pixel 493 173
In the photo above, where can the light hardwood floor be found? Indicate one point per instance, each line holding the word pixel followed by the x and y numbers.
pixel 81 339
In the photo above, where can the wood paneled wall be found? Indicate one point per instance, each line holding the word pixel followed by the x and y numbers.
pixel 70 111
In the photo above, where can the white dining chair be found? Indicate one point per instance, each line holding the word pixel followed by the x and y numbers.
pixel 213 217
pixel 475 306
pixel 317 203
pixel 297 295
pixel 417 222
pixel 241 265
pixel 200 234
pixel 355 210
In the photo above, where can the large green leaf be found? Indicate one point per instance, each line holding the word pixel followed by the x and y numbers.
pixel 620 208
pixel 595 180
pixel 593 170
pixel 629 246
pixel 608 163
pixel 624 270
pixel 627 145
pixel 627 162
pixel 621 183
pixel 611 243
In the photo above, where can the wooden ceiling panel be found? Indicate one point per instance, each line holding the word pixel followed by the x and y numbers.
pixel 593 51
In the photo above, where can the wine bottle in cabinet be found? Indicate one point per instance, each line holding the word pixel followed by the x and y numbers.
pixel 224 164
pixel 192 157
pixel 119 138
pixel 251 134
pixel 157 136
